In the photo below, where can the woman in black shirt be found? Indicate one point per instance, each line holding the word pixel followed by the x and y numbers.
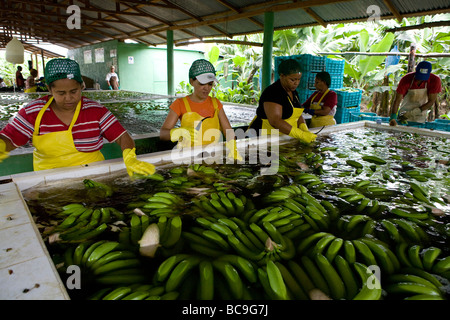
pixel 279 106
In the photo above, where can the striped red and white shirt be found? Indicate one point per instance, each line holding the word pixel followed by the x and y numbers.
pixel 94 123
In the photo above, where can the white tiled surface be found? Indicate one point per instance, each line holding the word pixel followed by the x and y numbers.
pixel 26 272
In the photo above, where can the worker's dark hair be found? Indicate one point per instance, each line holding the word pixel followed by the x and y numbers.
pixel 325 77
pixel 289 66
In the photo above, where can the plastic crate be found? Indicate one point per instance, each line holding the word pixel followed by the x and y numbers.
pixel 335 66
pixel 307 80
pixel 415 124
pixel 343 114
pixel 311 63
pixel 438 124
pixel 337 81
pixel 304 94
pixel 363 116
pixel 348 98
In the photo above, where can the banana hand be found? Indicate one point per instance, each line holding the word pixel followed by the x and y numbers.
pixel 188 135
pixel 301 135
pixel 3 153
pixel 133 165
pixel 234 153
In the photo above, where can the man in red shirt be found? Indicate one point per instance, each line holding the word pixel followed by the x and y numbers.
pixel 416 94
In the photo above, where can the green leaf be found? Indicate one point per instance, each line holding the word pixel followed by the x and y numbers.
pixel 369 63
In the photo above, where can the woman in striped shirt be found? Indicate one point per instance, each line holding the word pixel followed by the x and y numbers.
pixel 66 128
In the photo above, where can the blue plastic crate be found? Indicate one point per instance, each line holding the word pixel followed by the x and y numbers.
pixel 415 124
pixel 311 63
pixel 363 116
pixel 337 81
pixel 438 124
pixel 335 66
pixel 307 80
pixel 304 94
pixel 343 114
pixel 348 98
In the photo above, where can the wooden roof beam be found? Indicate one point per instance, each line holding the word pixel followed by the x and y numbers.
pixel 394 10
pixel 315 16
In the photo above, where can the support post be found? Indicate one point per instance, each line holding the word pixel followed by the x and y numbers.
pixel 267 50
pixel 170 64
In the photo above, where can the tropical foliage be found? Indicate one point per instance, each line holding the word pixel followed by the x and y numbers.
pixel 240 66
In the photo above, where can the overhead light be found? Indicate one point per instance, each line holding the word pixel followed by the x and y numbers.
pixel 15 51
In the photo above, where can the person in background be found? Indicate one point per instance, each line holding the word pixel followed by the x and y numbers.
pixel 201 116
pixel 321 105
pixel 2 83
pixel 20 81
pixel 416 93
pixel 112 79
pixel 30 84
pixel 67 129
pixel 279 106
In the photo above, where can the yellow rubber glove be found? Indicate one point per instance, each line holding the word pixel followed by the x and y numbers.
pixel 304 136
pixel 185 136
pixel 303 127
pixel 3 153
pixel 134 165
pixel 234 153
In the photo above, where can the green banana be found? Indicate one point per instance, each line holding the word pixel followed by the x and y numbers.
pixel 206 283
pixel 349 252
pixel 112 256
pixel 380 251
pixel 231 275
pixel 367 293
pixel 441 266
pixel 373 159
pixel 314 274
pixel 292 284
pixel 334 281
pixel 100 251
pixel 167 266
pixel 347 276
pixel 180 272
pixel 412 288
pixel 175 232
pixel 117 265
pixel 117 294
pixel 366 254
pixel 333 249
pixel 243 265
pixel 414 256
pixel 429 256
pixel 276 280
pixel 301 276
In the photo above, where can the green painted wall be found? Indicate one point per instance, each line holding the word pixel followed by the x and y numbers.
pixel 140 68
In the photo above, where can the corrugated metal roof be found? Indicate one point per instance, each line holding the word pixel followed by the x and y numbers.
pixel 147 21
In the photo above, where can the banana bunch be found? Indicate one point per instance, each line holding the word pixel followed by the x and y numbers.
pixel 368 250
pixel 410 213
pixel 313 159
pixel 170 229
pixel 162 203
pixel 421 176
pixel 199 168
pixel 286 217
pixel 355 226
pixel 401 229
pixel 130 235
pixel 310 181
pixel 283 193
pixel 180 182
pixel 419 193
pixel 101 189
pixel 134 292
pixel 221 204
pixel 357 202
pixel 413 283
pixel 428 259
pixel 83 223
pixel 106 262
pixel 298 280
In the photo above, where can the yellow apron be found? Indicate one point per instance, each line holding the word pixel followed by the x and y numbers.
pixel 292 120
pixel 57 149
pixel 415 98
pixel 320 121
pixel 209 128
